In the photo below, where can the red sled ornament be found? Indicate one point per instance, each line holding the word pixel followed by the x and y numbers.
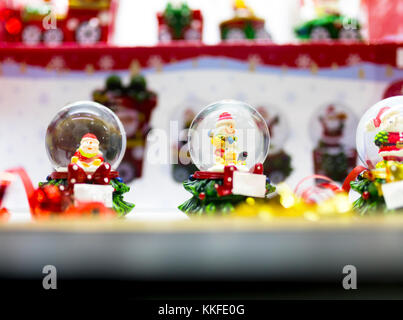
pixel 255 188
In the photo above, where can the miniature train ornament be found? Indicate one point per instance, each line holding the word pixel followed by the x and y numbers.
pixel 379 183
pixel 179 22
pixel 85 143
pixel 228 142
pixel 52 22
pixel 245 25
pixel 324 22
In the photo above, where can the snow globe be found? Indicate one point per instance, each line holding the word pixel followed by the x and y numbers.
pixel 377 184
pixel 228 142
pixel 85 143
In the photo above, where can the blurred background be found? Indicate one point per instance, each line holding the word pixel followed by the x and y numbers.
pixel 310 67
pixel 280 16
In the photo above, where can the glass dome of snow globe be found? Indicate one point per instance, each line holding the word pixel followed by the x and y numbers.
pixel 228 132
pixel 380 132
pixel 85 128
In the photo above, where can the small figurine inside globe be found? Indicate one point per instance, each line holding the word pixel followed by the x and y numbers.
pixel 380 148
pixel 228 142
pixel 85 143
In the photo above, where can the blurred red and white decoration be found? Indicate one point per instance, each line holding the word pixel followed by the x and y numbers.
pixel 385 19
pixel 53 22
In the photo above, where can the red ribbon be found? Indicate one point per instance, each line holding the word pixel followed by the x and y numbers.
pixel 314 176
pixel 306 193
pixel 28 186
pixel 377 120
pixel 352 176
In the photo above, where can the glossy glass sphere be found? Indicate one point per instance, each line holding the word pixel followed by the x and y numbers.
pixel 243 133
pixel 385 116
pixel 72 122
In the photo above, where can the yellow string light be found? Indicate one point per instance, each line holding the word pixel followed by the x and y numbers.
pixel 287 205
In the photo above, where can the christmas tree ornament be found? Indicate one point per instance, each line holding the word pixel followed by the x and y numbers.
pixel 228 142
pixel 85 143
pixel 334 154
pixel 378 184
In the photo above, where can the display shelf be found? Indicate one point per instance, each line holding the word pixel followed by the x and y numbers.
pixel 207 249
pixel 320 55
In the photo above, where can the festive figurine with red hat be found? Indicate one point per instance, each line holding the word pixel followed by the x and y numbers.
pixel 229 158
pixel 390 138
pixel 88 155
pixel 334 155
pixel 224 140
pixel 379 184
pixel 86 142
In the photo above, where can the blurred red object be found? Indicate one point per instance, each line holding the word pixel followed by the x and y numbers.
pixel 85 22
pixel 316 188
pixel 89 209
pixel 385 19
pixel 193 32
pixel 49 200
pixel 394 89
pixel 4 215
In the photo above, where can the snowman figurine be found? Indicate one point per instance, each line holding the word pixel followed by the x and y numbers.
pixel 389 139
pixel 224 140
pixel 88 156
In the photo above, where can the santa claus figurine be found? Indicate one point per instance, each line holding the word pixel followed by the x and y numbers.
pixel 390 137
pixel 88 155
pixel 333 123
